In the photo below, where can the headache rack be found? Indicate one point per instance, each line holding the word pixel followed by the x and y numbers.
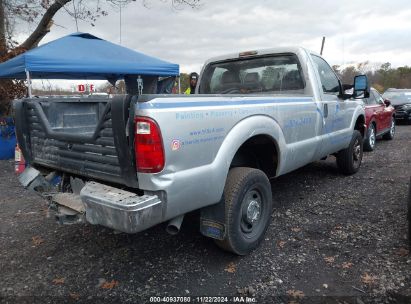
pixel 84 136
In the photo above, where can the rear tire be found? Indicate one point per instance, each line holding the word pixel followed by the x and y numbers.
pixel 349 159
pixel 391 133
pixel 369 142
pixel 248 207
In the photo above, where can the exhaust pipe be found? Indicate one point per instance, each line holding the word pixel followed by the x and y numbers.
pixel 174 225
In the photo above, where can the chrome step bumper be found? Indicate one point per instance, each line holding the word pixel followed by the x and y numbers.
pixel 119 209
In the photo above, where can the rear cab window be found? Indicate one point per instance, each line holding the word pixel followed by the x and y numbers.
pixel 265 74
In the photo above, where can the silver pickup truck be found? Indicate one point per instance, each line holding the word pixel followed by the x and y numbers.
pixel 132 162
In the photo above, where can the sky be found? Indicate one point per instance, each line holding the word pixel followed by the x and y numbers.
pixel 356 31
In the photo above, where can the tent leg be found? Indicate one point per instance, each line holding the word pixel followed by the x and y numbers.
pixel 29 83
pixel 179 85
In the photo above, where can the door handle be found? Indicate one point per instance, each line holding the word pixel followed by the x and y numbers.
pixel 325 110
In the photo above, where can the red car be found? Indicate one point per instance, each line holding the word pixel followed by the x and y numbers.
pixel 380 119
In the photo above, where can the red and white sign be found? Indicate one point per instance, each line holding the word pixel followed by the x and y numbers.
pixel 85 87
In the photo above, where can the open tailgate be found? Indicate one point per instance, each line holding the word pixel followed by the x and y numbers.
pixel 89 137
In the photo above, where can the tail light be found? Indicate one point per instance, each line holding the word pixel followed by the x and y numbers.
pixel 19 162
pixel 148 146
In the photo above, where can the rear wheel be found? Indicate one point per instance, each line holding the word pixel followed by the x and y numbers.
pixel 391 133
pixel 369 142
pixel 248 206
pixel 349 159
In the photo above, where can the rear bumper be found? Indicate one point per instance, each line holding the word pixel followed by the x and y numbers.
pixel 120 210
pixel 98 204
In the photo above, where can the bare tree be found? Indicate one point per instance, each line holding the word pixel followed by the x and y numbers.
pixel 41 13
pixel 44 25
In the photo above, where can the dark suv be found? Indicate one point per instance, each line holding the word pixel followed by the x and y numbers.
pixel 401 100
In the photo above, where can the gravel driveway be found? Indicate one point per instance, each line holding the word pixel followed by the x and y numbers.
pixel 333 239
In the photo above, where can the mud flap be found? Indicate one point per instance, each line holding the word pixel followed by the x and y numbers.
pixel 212 221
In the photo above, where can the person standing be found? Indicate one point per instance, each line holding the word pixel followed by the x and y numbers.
pixel 193 83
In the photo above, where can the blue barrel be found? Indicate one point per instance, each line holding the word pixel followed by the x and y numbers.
pixel 7 142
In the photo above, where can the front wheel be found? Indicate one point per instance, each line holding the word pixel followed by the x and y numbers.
pixel 391 133
pixel 248 206
pixel 349 159
pixel 369 142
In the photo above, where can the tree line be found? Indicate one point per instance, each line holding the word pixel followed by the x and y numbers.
pixel 381 76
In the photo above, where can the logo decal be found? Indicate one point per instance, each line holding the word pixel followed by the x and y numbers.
pixel 175 145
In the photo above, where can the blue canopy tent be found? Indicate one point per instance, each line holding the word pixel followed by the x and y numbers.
pixel 84 56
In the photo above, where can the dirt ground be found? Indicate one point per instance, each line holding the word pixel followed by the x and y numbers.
pixel 333 239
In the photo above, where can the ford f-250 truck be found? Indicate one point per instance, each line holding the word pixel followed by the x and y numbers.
pixel 132 162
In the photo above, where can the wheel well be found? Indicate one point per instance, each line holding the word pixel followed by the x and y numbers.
pixel 359 125
pixel 259 152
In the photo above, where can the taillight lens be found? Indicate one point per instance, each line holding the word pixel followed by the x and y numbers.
pixel 148 146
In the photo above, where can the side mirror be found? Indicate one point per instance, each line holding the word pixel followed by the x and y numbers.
pixel 361 87
pixel 387 102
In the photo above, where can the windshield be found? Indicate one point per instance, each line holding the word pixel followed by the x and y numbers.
pixel 281 73
pixel 398 97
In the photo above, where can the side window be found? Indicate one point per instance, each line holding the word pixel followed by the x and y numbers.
pixel 379 98
pixel 328 79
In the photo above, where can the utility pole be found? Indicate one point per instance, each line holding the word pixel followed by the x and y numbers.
pixel 322 46
pixel 120 20
pixel 120 4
